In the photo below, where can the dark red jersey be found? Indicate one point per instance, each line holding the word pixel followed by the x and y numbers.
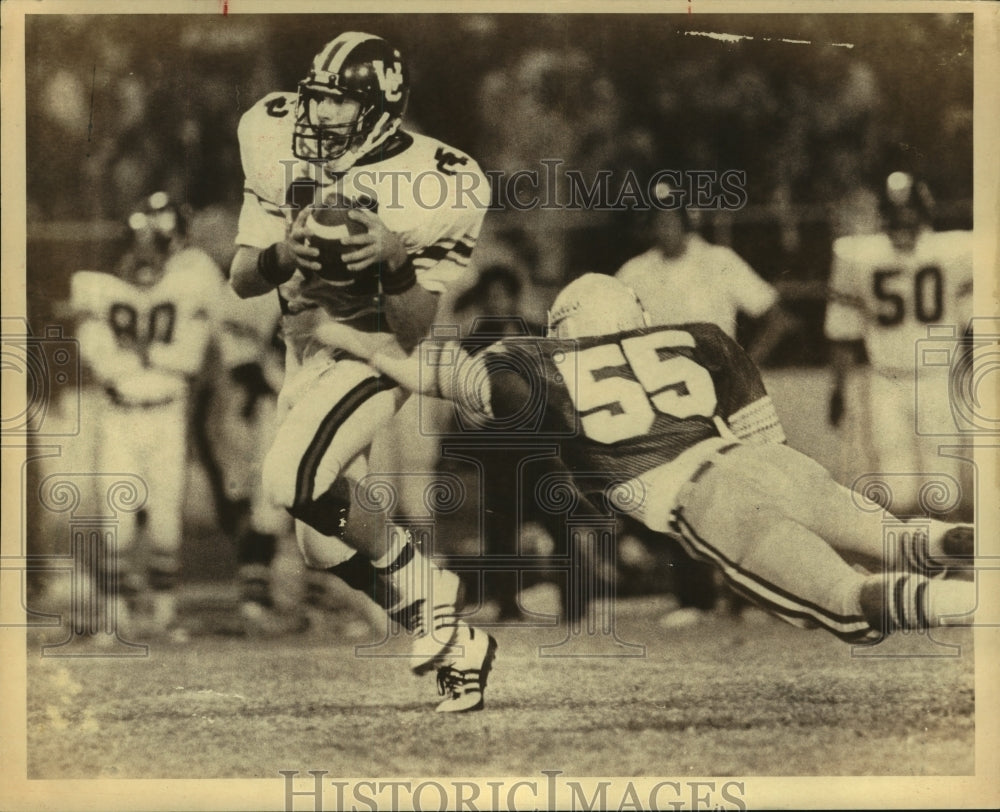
pixel 634 401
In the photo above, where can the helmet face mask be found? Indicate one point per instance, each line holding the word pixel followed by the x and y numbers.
pixel 903 229
pixel 319 141
pixel 155 228
pixel 353 67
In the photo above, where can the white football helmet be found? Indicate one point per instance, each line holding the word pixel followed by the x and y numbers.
pixel 595 305
pixel 907 209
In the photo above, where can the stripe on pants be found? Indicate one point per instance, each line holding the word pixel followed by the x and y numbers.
pixel 305 480
pixel 782 602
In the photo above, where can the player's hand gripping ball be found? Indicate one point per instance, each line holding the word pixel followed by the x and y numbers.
pixel 329 225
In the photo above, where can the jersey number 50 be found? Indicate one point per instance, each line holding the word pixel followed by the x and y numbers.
pixel 928 295
pixel 614 408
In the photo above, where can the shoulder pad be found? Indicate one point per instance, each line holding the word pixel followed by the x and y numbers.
pixel 951 243
pixel 268 113
pixel 859 246
pixel 265 138
pixel 91 292
pixel 429 153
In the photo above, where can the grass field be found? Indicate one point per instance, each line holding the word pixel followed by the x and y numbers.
pixel 729 697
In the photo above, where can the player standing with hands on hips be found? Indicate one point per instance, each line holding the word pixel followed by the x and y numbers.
pixel 414 209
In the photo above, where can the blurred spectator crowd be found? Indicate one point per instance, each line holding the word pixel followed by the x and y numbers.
pixel 813 108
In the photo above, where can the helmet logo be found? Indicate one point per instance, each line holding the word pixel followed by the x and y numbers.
pixel 389 79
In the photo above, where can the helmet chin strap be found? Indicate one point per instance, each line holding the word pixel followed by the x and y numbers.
pixel 379 135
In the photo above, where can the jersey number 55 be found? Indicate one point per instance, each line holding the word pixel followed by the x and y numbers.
pixel 614 407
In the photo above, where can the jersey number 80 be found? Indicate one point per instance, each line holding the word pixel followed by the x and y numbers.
pixel 613 407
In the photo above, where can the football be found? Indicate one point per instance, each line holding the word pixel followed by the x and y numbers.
pixel 329 225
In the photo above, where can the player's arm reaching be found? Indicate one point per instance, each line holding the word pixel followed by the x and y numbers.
pixel 442 368
pixel 436 367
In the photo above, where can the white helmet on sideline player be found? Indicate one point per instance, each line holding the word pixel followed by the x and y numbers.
pixel 907 209
pixel 595 305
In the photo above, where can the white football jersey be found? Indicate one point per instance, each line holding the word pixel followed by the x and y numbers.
pixel 432 195
pixel 147 339
pixel 707 283
pixel 889 298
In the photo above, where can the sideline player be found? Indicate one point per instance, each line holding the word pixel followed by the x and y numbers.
pixel 421 204
pixel 143 334
pixel 886 290
pixel 683 278
pixel 679 415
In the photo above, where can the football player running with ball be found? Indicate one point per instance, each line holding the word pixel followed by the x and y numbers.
pixel 678 416
pixel 406 210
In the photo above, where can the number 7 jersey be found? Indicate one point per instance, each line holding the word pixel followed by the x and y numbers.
pixel 634 401
pixel 889 297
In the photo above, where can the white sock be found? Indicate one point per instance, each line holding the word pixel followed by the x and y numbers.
pixel 426 593
pixel 923 550
pixel 951 603
pixel 915 602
